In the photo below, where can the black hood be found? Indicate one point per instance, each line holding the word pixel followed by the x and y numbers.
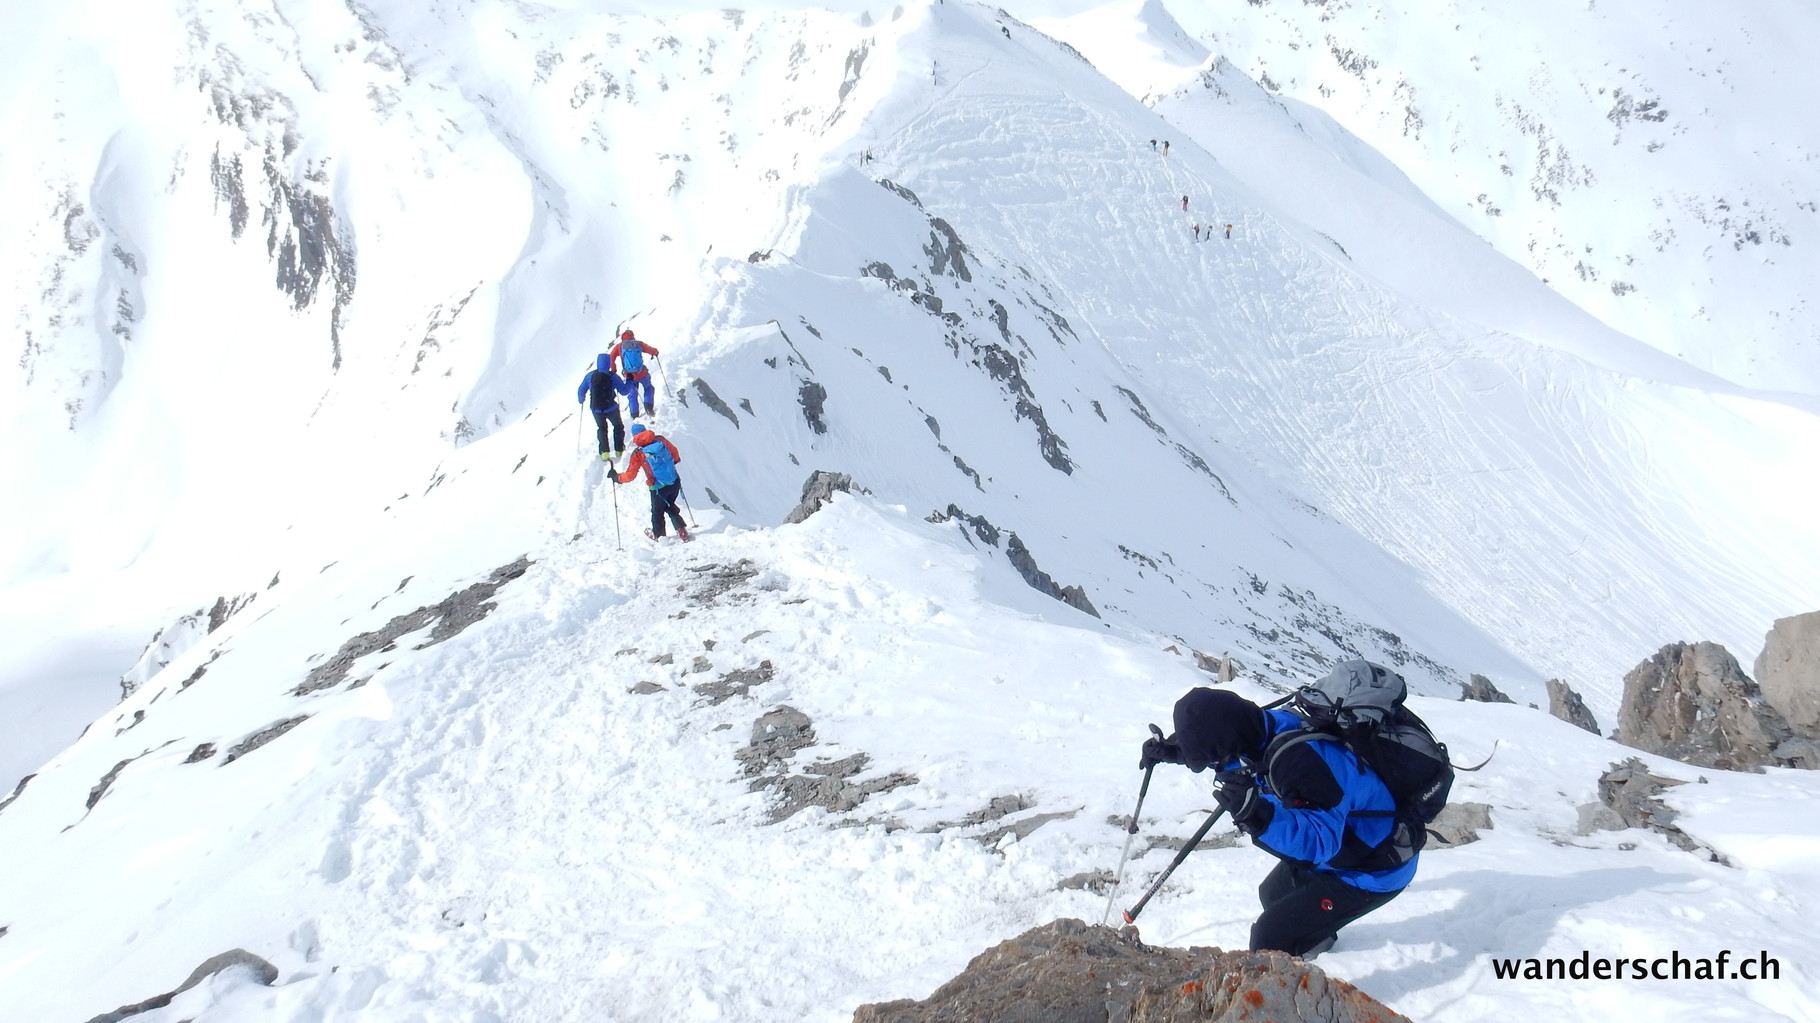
pixel 1213 726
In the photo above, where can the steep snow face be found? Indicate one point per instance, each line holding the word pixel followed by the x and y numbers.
pixel 1173 405
pixel 930 248
pixel 1648 159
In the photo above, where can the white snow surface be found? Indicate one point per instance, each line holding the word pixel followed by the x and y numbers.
pixel 926 245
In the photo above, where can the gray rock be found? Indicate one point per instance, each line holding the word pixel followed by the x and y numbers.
pixel 1566 704
pixel 1634 795
pixel 450 617
pixel 1068 972
pixel 1693 703
pixel 1481 689
pixel 261 972
pixel 819 489
pixel 1788 669
pixel 1025 563
pixel 1098 881
pixel 776 738
pixel 1460 824
pixel 714 402
pixel 736 683
pixel 813 397
pixel 1597 817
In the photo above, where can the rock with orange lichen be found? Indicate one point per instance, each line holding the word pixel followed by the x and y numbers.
pixel 1068 972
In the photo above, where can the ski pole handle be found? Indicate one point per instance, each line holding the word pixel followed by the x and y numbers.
pixel 1131 914
pixel 1143 789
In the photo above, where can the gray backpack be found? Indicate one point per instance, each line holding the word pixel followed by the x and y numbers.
pixel 1360 705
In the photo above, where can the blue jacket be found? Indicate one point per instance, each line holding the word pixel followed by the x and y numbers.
pixel 1315 835
pixel 603 383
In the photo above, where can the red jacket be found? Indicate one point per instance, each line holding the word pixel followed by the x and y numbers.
pixel 617 356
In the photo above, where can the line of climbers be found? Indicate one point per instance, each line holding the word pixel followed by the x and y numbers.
pixel 1210 228
pixel 621 371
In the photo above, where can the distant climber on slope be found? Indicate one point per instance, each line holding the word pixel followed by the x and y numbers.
pixel 630 354
pixel 657 457
pixel 1317 808
pixel 601 389
pixel 1184 204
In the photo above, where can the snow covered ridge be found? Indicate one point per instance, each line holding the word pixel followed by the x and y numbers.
pixel 586 805
pixel 928 249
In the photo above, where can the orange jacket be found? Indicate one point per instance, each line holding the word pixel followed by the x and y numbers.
pixel 637 461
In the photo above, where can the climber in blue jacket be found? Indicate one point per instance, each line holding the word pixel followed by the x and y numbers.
pixel 1320 811
pixel 601 389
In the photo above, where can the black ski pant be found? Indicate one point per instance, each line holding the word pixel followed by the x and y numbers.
pixel 1305 907
pixel 601 418
pixel 663 502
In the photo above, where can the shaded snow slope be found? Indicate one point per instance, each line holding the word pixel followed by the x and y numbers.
pixel 1650 160
pixel 1559 495
pixel 938 236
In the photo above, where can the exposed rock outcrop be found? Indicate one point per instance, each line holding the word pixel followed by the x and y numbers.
pixel 1068 972
pixel 1693 703
pixel 1482 690
pixel 258 971
pixel 1635 795
pixel 819 489
pixel 1566 704
pixel 1788 669
pixel 1460 824
pixel 777 736
pixel 445 619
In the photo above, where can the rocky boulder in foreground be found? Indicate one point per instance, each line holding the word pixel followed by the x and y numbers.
pixel 1068 972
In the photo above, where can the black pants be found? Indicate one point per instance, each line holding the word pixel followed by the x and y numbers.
pixel 1303 907
pixel 663 502
pixel 601 418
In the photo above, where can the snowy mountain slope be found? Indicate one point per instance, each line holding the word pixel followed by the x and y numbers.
pixel 547 815
pixel 1522 484
pixel 319 252
pixel 1650 161
pixel 1266 376
pixel 422 809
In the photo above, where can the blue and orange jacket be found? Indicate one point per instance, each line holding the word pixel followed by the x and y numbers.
pixel 641 460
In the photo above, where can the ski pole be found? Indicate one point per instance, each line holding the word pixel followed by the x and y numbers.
pixel 684 494
pixel 613 473
pixel 1131 914
pixel 1131 831
pixel 581 430
pixel 661 385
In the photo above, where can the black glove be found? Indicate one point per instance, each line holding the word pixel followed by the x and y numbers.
pixel 1237 791
pixel 1158 750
